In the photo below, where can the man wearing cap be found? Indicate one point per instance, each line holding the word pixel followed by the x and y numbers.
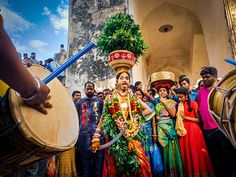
pixel 222 153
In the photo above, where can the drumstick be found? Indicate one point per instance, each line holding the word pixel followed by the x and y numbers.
pixel 63 67
pixel 231 61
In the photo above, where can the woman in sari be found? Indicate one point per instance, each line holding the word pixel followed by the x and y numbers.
pixel 167 138
pixel 149 128
pixel 193 149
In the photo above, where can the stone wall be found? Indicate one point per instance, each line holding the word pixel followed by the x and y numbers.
pixel 86 21
pixel 230 13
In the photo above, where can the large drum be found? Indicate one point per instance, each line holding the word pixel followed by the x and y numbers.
pixel 27 135
pixel 222 105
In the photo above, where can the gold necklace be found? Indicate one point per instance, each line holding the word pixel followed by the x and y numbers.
pixel 122 94
pixel 131 125
pixel 124 106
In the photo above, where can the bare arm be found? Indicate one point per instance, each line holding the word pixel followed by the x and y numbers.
pixel 154 129
pixel 145 107
pixel 96 137
pixel 14 73
pixel 191 119
pixel 100 123
pixel 149 97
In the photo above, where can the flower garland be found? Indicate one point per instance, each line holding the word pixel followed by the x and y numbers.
pixel 114 122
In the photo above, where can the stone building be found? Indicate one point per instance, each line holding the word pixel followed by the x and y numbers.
pixel 183 36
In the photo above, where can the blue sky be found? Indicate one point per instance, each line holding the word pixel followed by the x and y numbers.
pixel 36 26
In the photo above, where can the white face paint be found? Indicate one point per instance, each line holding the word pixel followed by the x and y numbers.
pixel 123 82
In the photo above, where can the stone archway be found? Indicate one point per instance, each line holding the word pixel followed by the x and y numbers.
pixel 176 50
pixel 199 37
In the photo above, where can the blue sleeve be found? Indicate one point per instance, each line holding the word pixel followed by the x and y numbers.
pixel 155 101
pixel 176 99
pixel 193 95
pixel 49 67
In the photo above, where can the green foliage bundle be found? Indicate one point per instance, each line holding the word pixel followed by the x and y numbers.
pixel 121 33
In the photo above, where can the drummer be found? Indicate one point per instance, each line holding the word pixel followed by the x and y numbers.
pixel 222 153
pixel 14 74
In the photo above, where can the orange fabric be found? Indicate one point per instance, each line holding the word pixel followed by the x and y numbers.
pixel 110 170
pixel 145 168
pixel 67 167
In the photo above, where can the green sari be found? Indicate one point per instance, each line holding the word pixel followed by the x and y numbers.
pixel 168 141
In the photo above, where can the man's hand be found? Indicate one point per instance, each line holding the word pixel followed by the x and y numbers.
pixel 95 144
pixel 43 106
pixel 40 101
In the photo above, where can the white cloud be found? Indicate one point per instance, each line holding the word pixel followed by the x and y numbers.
pixel 37 43
pixel 63 11
pixel 59 21
pixel 13 23
pixel 40 47
pixel 56 32
pixel 46 11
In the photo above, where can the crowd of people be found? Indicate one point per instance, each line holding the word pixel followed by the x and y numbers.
pixel 194 148
pixel 50 64
pixel 164 130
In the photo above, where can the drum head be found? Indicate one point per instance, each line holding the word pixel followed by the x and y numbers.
pixel 58 130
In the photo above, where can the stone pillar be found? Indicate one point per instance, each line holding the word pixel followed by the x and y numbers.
pixel 86 21
pixel 199 57
pixel 139 71
pixel 230 13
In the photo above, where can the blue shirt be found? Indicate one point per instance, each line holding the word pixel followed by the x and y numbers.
pixel 89 112
pixel 193 95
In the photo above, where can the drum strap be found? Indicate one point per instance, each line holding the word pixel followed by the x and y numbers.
pixel 7 130
pixel 6 126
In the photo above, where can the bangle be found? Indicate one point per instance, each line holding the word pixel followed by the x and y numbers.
pixel 154 135
pixel 34 95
